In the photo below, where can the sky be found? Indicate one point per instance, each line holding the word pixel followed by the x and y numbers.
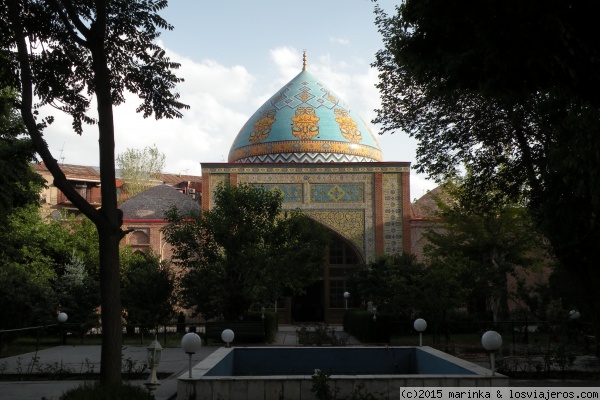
pixel 234 56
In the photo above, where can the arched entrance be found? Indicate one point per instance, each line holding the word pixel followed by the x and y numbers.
pixel 324 300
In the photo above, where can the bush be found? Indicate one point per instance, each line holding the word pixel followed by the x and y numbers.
pixel 96 391
pixel 319 335
pixel 270 324
pixel 360 324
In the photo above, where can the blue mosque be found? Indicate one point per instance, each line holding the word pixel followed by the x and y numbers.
pixel 308 144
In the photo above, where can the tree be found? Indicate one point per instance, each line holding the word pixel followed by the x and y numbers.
pixel 403 286
pixel 38 272
pixel 26 271
pixel 493 238
pixel 20 184
pixel 148 287
pixel 510 90
pixel 244 252
pixel 139 168
pixel 78 295
pixel 68 53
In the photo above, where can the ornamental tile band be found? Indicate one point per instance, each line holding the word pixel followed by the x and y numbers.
pixel 316 147
pixel 337 193
pixel 392 216
pixel 213 168
pixel 291 192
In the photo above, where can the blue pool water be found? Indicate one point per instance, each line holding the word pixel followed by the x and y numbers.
pixel 334 361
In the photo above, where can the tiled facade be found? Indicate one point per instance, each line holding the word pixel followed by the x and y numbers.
pixel 366 205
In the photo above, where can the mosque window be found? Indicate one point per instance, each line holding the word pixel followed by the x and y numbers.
pixel 139 237
pixel 336 293
pixel 341 253
pixel 139 240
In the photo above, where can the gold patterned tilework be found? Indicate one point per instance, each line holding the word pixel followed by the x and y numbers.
pixel 305 122
pixel 392 213
pixel 349 215
pixel 349 224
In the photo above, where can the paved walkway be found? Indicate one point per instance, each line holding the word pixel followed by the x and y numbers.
pixel 87 359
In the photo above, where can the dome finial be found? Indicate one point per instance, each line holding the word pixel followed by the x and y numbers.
pixel 304 60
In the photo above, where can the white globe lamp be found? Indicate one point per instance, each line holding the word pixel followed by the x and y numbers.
pixel 492 341
pixel 227 336
pixel 191 343
pixel 420 325
pixel 346 297
pixel 62 317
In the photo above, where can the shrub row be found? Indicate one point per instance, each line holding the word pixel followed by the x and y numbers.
pixel 362 326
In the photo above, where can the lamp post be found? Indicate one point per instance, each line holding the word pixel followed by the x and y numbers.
pixel 572 329
pixel 154 354
pixel 227 336
pixel 191 343
pixel 346 297
pixel 492 341
pixel 62 317
pixel 374 311
pixel 420 325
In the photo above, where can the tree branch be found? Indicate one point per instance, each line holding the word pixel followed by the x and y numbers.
pixel 70 20
pixel 60 181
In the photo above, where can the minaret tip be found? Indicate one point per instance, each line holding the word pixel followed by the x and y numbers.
pixel 304 60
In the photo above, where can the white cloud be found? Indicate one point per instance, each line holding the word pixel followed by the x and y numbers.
pixel 342 41
pixel 287 61
pixel 214 92
pixel 222 98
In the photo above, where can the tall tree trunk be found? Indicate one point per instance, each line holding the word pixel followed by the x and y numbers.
pixel 109 234
pixel 110 293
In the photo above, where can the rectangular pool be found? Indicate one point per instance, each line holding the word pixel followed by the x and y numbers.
pixel 286 372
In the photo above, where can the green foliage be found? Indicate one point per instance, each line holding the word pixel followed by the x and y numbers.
pixel 69 54
pixel 20 184
pixel 484 242
pixel 320 386
pixel 360 324
pixel 96 391
pixel 319 335
pixel 270 322
pixel 389 282
pixel 244 252
pixel 509 91
pixel 404 289
pixel 140 168
pixel 36 253
pixel 78 294
pixel 148 289
pixel 401 286
pixel 26 295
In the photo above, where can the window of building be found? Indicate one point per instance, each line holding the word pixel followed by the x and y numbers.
pixel 336 293
pixel 139 240
pixel 341 253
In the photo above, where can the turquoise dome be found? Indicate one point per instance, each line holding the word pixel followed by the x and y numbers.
pixel 304 122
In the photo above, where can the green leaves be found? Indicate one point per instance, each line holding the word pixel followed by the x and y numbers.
pixel 139 168
pixel 509 92
pixel 244 252
pixel 148 287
